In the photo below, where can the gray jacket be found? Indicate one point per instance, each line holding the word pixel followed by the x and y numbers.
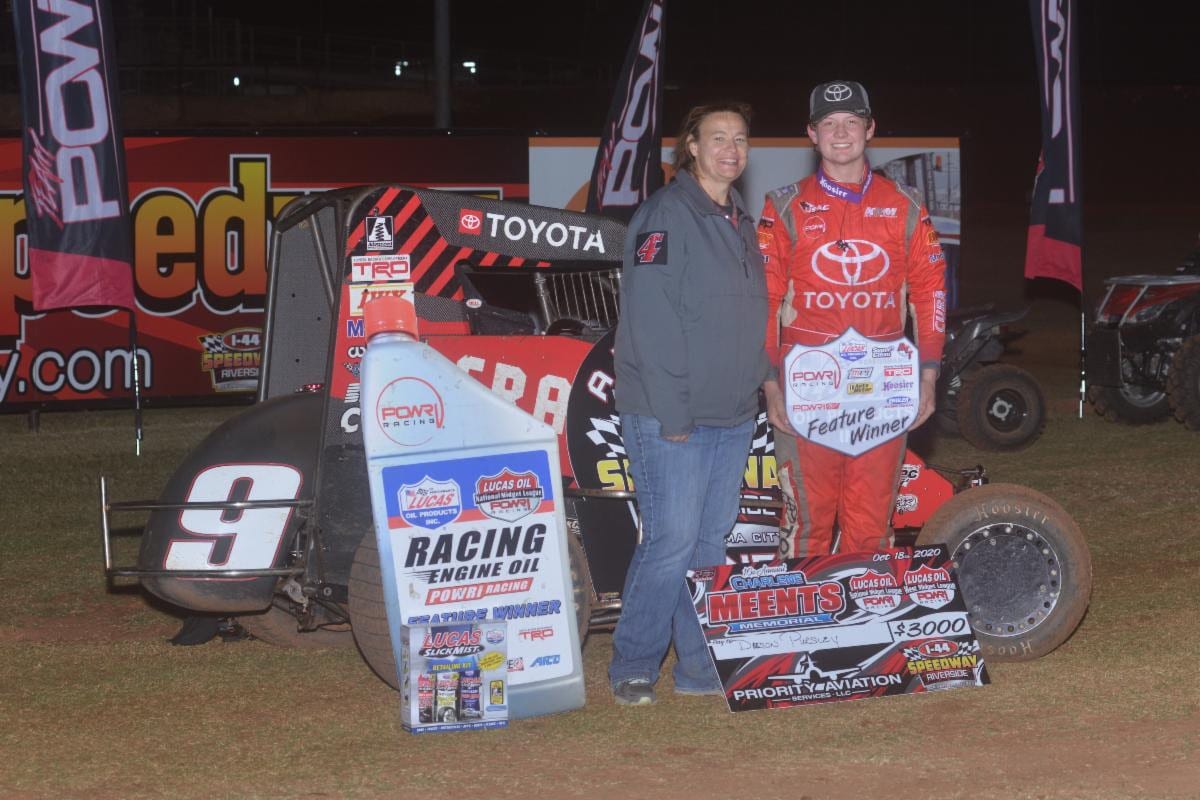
pixel 690 340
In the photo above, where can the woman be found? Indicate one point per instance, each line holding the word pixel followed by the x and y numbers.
pixel 689 361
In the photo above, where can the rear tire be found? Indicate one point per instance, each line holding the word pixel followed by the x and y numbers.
pixel 1000 407
pixel 1129 404
pixel 278 627
pixel 368 611
pixel 1022 564
pixel 1183 384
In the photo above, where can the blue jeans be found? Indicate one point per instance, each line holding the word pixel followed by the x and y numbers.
pixel 687 495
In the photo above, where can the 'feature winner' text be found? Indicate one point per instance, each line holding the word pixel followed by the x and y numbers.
pixel 860 424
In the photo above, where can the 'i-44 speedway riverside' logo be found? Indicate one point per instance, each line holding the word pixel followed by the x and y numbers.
pixel 429 503
pixel 508 495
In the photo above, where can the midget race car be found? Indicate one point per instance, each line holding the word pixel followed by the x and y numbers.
pixel 268 520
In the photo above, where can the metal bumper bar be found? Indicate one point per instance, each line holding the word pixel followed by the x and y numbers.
pixel 107 508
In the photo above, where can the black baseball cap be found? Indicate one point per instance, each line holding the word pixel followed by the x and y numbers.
pixel 833 96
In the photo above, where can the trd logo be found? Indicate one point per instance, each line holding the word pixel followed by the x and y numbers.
pixel 546 661
pixel 537 634
pixel 378 269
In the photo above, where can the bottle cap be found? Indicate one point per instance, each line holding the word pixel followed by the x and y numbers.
pixel 389 312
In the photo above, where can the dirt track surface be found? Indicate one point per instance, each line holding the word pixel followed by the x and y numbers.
pixel 99 706
pixel 1000 741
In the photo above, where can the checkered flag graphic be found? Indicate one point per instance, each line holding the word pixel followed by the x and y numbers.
pixel 353 367
pixel 965 648
pixel 606 432
pixel 214 343
pixel 761 435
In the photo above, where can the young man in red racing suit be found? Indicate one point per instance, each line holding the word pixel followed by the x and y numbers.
pixel 845 248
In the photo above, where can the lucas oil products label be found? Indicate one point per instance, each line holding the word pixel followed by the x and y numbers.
pixel 475 539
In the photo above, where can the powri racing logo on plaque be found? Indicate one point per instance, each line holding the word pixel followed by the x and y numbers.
pixel 508 495
pixel 861 412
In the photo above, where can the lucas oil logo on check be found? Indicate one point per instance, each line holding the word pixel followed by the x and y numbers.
pixel 508 495
pixel 429 503
pixel 929 587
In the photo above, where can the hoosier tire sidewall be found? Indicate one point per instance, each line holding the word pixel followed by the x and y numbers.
pixel 999 502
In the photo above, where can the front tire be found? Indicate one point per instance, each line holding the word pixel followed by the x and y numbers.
pixel 368 611
pixel 1022 564
pixel 1128 404
pixel 1183 384
pixel 1000 407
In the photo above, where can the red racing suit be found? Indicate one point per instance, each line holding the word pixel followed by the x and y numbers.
pixel 840 256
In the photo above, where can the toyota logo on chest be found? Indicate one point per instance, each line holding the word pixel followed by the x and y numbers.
pixel 858 263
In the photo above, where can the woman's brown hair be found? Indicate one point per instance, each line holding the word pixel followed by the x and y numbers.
pixel 690 129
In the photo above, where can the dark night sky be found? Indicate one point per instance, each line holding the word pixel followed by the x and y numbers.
pixel 932 65
pixel 967 40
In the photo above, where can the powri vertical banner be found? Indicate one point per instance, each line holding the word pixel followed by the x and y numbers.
pixel 626 170
pixel 80 250
pixel 1053 247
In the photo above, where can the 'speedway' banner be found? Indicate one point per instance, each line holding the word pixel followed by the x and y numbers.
pixel 79 247
pixel 1053 248
pixel 203 209
pixel 626 170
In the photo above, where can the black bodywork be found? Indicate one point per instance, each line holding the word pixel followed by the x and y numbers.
pixel 1140 323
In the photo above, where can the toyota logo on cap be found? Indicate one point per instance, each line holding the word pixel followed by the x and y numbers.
pixel 470 221
pixel 836 92
pixel 859 262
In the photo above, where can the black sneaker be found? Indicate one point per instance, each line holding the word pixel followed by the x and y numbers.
pixel 711 690
pixel 634 692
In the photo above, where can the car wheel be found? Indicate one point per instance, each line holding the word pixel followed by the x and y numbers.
pixel 1022 565
pixel 1129 404
pixel 368 611
pixel 1183 384
pixel 1001 407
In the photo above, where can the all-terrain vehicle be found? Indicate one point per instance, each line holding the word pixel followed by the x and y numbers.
pixel 1143 349
pixel 994 406
pixel 268 519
